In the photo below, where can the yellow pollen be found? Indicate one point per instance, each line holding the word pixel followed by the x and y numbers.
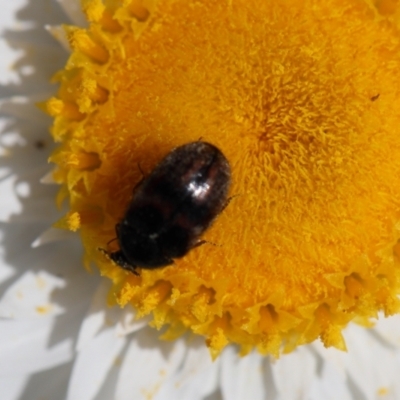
pixel 72 222
pixel 94 9
pixel 138 10
pixel 44 309
pixel 81 41
pixel 57 108
pixel 383 391
pixel 83 161
pixel 303 99
pixel 217 342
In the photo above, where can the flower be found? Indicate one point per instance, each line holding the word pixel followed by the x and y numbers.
pixel 111 354
pixel 298 110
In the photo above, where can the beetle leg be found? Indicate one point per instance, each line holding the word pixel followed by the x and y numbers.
pixel 228 200
pixel 200 242
pixel 112 240
pixel 119 259
pixel 141 171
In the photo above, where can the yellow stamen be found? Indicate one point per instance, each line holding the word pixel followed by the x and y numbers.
pixel 81 41
pixel 72 222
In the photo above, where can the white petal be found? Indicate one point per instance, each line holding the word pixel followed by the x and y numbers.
pixel 269 383
pixel 109 384
pixel 8 74
pixel 93 364
pixel 53 235
pixel 29 296
pixel 24 107
pixel 9 203
pixel 46 385
pixel 58 33
pixel 12 387
pixel 371 365
pixel 24 347
pixel 128 324
pixel 25 165
pixel 95 318
pixel 196 379
pixel 9 54
pixel 389 330
pixel 17 205
pixel 65 285
pixel 6 272
pixel 73 9
pixel 9 8
pixel 368 367
pixel 148 363
pixel 331 355
pixel 294 374
pixel 100 316
pixel 330 385
pixel 48 179
pixel 242 377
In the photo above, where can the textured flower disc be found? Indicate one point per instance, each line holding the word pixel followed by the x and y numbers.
pixel 303 99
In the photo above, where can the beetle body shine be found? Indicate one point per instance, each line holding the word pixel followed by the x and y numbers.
pixel 173 206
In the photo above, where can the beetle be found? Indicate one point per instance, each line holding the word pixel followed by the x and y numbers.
pixel 172 207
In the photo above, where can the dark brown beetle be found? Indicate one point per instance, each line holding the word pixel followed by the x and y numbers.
pixel 172 207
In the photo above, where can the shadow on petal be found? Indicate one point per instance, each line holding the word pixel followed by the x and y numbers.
pixel 28 207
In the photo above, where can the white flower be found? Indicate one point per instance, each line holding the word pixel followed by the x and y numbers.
pixel 58 338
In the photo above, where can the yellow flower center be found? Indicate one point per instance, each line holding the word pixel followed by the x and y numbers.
pixel 303 99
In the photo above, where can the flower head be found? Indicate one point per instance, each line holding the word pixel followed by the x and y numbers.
pixel 50 335
pixel 300 97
